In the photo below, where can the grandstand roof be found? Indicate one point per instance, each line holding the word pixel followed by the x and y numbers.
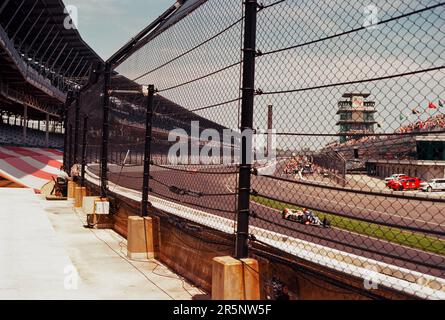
pixel 40 58
pixel 40 23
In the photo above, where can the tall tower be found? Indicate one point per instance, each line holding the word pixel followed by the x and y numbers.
pixel 356 116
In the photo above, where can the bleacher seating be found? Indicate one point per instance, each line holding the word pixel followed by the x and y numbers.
pixel 13 135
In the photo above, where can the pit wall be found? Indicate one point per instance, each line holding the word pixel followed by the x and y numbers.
pixel 188 249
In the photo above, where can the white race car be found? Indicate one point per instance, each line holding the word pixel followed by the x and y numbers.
pixel 304 216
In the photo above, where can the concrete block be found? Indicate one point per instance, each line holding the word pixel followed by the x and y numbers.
pixel 251 279
pixel 234 279
pixel 79 193
pixel 140 243
pixel 71 189
pixel 88 204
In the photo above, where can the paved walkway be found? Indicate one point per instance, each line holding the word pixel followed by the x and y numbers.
pixel 43 245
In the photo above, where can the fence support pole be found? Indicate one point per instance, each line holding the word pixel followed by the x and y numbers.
pixel 84 150
pixel 147 151
pixel 76 128
pixel 70 148
pixel 104 151
pixel 65 136
pixel 248 92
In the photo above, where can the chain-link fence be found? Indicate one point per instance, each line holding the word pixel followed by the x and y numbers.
pixel 347 129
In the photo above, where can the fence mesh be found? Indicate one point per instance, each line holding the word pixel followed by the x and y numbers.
pixel 348 113
pixel 197 77
pixel 90 106
pixel 355 90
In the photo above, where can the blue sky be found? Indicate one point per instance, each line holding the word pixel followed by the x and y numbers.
pixel 107 24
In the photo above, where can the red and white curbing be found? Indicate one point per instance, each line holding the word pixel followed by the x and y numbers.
pixel 29 167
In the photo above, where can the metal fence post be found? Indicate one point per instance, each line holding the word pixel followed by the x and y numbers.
pixel 248 91
pixel 84 149
pixel 148 132
pixel 76 127
pixel 70 147
pixel 104 151
pixel 65 136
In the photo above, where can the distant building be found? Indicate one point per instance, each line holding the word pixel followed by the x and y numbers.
pixel 356 116
pixel 431 147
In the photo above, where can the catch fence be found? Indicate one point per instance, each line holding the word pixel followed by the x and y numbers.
pixel 286 116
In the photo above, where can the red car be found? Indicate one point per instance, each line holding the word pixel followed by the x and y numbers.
pixel 390 182
pixel 405 184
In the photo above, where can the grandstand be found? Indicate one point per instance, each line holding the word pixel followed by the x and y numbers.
pixel 41 62
pixel 12 135
pixel 417 149
pixel 169 115
pixel 127 123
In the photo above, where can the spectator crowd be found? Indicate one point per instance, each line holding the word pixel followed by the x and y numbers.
pixel 432 123
pixel 302 165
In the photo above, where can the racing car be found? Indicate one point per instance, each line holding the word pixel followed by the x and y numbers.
pixel 305 217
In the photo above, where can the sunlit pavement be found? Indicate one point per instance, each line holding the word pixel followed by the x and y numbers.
pixel 45 253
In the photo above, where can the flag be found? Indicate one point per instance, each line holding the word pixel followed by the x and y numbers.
pixel 432 106
pixel 441 103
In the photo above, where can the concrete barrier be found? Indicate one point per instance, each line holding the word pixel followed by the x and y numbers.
pixel 88 204
pixel 79 193
pixel 234 279
pixel 140 244
pixel 71 189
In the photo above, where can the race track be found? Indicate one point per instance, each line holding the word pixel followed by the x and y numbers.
pixel 217 187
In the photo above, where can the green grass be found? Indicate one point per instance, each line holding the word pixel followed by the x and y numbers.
pixel 395 235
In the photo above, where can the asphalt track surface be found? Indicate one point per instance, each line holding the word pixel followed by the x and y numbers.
pixel 218 186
